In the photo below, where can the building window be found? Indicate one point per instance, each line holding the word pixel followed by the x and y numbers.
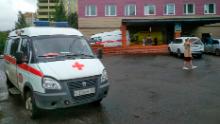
pixel 91 10
pixel 130 10
pixel 169 9
pixel 189 9
pixel 149 10
pixel 210 8
pixel 110 10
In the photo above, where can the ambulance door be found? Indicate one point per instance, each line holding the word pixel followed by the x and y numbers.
pixel 11 61
pixel 23 69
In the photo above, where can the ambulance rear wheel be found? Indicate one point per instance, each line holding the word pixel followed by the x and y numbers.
pixel 30 105
pixel 9 84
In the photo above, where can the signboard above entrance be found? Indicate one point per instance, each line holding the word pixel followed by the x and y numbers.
pixel 178 27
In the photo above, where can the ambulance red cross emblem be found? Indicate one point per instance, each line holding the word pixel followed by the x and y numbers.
pixel 78 66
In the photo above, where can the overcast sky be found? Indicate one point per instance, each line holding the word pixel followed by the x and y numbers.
pixel 9 11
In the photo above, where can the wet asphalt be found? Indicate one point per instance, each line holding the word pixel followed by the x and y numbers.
pixel 144 90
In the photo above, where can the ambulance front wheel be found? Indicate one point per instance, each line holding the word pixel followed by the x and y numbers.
pixel 30 105
pixel 97 103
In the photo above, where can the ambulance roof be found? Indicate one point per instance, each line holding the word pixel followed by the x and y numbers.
pixel 40 31
pixel 115 32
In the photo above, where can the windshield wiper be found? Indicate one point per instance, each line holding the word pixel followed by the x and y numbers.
pixel 50 55
pixel 80 54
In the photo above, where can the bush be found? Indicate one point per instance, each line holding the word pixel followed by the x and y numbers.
pixel 3 38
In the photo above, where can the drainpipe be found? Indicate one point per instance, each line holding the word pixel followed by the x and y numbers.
pixel 124 32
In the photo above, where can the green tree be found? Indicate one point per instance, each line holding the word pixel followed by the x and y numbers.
pixel 3 37
pixel 21 23
pixel 60 14
pixel 73 20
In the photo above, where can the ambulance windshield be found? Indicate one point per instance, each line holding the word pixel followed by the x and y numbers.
pixel 54 46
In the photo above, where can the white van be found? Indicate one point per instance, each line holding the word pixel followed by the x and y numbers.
pixel 53 68
pixel 108 39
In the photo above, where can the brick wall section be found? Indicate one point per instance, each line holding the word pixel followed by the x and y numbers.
pixel 100 23
pixel 160 49
pixel 199 6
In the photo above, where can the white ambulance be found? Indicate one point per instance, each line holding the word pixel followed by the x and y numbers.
pixel 53 68
pixel 109 39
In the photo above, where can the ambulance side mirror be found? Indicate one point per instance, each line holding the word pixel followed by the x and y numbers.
pixel 100 53
pixel 19 57
pixel 1 56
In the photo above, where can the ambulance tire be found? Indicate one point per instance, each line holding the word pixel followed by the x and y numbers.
pixel 217 52
pixel 9 85
pixel 170 52
pixel 97 103
pixel 30 105
pixel 179 54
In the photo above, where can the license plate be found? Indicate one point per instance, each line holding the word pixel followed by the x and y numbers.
pixel 84 92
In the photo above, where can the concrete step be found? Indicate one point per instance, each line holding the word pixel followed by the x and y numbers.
pixel 14 91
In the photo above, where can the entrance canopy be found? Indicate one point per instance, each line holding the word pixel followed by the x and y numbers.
pixel 183 20
pixel 164 28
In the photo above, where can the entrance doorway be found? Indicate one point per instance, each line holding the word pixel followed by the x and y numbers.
pixel 159 34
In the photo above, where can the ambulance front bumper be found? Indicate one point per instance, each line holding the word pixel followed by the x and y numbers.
pixel 67 99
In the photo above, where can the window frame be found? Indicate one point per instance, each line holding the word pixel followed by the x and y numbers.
pixel 108 10
pixel 208 13
pixel 8 46
pixel 127 10
pixel 166 8
pixel 14 40
pixel 178 41
pixel 27 53
pixel 215 42
pixel 187 10
pixel 146 9
pixel 88 8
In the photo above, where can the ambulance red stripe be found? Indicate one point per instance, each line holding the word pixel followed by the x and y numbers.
pixel 10 59
pixel 24 66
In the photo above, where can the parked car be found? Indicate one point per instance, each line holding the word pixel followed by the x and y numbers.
pixel 177 46
pixel 53 68
pixel 108 39
pixel 213 47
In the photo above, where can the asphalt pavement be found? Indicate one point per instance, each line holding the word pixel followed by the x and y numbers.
pixel 144 90
pixel 3 86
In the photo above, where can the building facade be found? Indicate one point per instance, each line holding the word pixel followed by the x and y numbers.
pixel 30 18
pixel 71 6
pixel 46 8
pixel 163 19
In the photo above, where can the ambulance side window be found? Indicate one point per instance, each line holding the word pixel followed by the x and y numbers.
pixel 8 46
pixel 14 46
pixel 25 48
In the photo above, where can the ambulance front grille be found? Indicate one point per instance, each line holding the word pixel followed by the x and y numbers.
pixel 74 85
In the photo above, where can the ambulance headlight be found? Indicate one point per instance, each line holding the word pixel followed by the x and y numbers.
pixel 50 84
pixel 104 76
